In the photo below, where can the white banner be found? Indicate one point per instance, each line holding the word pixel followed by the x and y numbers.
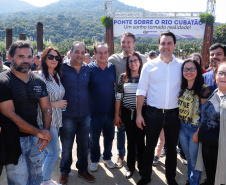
pixel 152 27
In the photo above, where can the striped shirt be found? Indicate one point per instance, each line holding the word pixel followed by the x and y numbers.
pixel 128 94
pixel 119 61
pixel 25 96
pixel 56 92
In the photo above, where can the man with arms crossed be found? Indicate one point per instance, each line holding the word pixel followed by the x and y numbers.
pixel 21 91
pixel 160 82
pixel 128 42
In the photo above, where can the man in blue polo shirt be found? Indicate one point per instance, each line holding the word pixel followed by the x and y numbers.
pixel 217 55
pixel 102 98
pixel 76 118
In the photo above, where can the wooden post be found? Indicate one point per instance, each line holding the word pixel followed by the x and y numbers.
pixel 207 42
pixel 22 36
pixel 9 38
pixel 109 39
pixel 39 29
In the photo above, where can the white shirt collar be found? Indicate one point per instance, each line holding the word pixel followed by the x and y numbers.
pixel 109 64
pixel 173 59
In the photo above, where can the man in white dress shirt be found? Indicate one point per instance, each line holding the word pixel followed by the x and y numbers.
pixel 160 82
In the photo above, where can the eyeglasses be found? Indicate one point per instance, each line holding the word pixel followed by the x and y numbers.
pixel 221 73
pixel 191 69
pixel 134 61
pixel 51 57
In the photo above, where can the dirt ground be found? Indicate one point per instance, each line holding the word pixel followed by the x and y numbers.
pixel 105 176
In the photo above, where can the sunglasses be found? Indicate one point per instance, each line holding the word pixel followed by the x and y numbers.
pixel 51 57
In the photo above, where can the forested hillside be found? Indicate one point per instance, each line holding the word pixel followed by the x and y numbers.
pixel 63 20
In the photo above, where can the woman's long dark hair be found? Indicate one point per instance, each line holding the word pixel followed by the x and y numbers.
pixel 128 71
pixel 44 65
pixel 199 80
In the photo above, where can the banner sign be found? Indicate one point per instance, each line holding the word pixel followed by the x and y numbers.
pixel 152 27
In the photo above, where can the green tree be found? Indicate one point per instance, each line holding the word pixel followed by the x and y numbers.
pixel 219 34
pixel 3 49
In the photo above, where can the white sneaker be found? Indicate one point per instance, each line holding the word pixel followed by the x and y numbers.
pixel 119 162
pixel 49 182
pixel 109 163
pixel 184 161
pixel 94 167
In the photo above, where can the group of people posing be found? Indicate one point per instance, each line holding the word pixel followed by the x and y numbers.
pixel 143 98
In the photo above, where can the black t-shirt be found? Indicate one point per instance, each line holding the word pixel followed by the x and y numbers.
pixel 25 96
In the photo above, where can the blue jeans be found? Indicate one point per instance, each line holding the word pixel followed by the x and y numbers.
pixel 51 153
pixel 121 139
pixel 29 167
pixel 81 127
pixel 191 151
pixel 101 122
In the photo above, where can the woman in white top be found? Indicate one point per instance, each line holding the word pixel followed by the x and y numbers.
pixel 51 62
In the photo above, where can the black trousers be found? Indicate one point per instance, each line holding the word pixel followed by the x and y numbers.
pixel 135 139
pixel 209 154
pixel 155 121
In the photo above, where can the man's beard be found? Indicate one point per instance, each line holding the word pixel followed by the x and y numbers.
pixel 215 62
pixel 20 67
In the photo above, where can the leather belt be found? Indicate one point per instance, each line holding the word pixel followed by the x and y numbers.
pixel 164 110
